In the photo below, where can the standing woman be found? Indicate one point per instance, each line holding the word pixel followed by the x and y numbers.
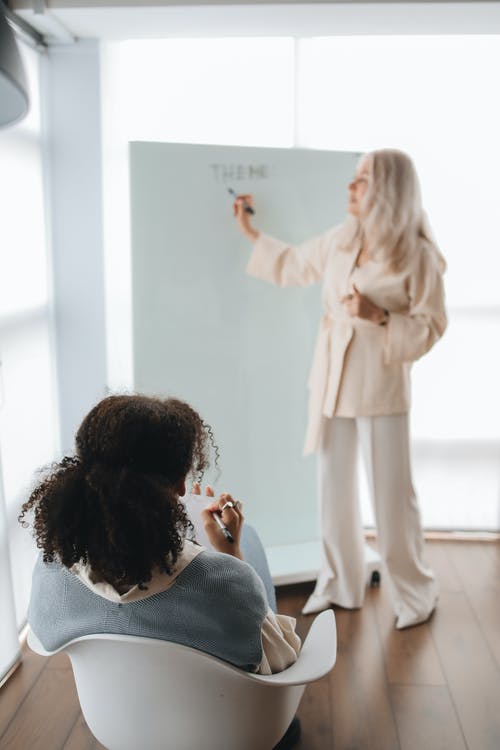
pixel 383 308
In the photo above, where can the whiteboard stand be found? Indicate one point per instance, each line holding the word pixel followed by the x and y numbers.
pixel 298 563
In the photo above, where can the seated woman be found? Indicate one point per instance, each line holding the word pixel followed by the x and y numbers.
pixel 116 553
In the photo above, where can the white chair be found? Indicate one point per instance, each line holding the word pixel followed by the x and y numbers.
pixel 145 694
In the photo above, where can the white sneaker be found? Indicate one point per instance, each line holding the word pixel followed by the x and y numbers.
pixel 316 603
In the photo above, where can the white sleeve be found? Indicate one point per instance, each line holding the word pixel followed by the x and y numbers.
pixel 411 335
pixel 284 265
pixel 280 643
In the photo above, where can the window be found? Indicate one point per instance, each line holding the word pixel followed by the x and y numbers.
pixel 432 97
pixel 28 415
pixel 429 95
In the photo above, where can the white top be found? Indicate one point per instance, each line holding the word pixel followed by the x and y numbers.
pixel 359 368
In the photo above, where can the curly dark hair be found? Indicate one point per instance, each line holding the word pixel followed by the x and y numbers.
pixel 114 505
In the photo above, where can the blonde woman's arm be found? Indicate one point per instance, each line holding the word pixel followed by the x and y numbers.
pixel 278 262
pixel 410 335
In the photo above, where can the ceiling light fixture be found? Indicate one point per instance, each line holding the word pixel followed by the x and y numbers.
pixel 14 100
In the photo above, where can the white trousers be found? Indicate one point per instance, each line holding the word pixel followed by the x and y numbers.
pixel 385 450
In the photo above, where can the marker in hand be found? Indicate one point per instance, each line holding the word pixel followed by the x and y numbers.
pixel 223 528
pixel 246 206
pixel 216 514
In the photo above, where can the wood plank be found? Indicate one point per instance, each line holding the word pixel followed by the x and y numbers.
pixel 486 606
pixel 410 655
pixel 292 598
pixel 437 558
pixel 493 552
pixel 59 661
pixel 361 708
pixel 18 686
pixel 478 566
pixel 475 564
pixel 48 714
pixel 426 718
pixel 315 710
pixel 81 738
pixel 315 714
pixel 472 675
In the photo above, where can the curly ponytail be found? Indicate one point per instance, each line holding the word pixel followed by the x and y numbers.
pixel 114 505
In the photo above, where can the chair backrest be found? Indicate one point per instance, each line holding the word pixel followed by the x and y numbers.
pixel 144 694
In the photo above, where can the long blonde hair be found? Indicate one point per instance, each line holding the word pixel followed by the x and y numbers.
pixel 393 222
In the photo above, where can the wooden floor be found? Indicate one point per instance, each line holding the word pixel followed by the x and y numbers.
pixel 433 687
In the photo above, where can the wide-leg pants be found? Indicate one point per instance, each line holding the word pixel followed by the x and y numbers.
pixel 385 450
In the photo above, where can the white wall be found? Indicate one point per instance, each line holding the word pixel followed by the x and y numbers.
pixel 73 112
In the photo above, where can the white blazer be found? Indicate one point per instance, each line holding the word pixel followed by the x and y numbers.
pixel 359 368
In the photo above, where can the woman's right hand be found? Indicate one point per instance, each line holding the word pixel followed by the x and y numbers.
pixel 243 217
pixel 231 517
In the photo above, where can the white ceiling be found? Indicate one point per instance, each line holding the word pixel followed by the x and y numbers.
pixel 124 19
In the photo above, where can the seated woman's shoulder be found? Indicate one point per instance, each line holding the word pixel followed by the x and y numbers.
pixel 218 564
pixel 218 572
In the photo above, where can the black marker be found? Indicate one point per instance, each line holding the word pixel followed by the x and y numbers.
pixel 246 206
pixel 223 528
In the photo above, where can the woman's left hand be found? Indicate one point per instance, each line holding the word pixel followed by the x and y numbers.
pixel 359 306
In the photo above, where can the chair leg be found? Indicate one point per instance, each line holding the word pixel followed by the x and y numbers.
pixel 291 736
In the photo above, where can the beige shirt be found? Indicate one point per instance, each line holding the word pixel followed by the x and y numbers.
pixel 359 368
pixel 280 642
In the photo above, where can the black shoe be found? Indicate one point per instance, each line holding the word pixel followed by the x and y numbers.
pixel 291 736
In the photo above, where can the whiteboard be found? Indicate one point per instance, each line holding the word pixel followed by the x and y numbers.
pixel 237 349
